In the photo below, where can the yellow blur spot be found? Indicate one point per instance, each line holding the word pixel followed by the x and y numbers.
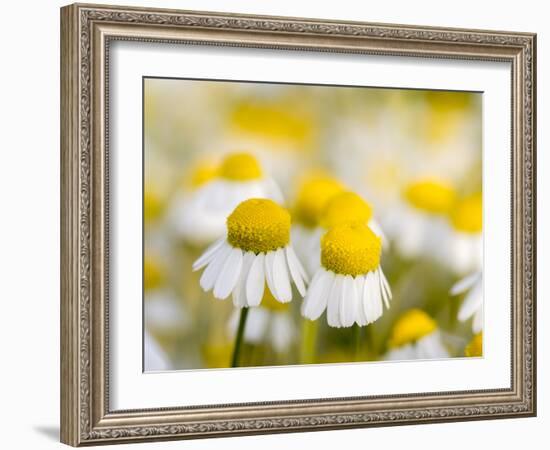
pixel 240 167
pixel 475 346
pixel 467 214
pixel 410 327
pixel 431 196
pixel 312 198
pixel 269 302
pixel 152 206
pixel 152 273
pixel 346 207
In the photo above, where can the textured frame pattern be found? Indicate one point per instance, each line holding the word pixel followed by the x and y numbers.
pixel 86 31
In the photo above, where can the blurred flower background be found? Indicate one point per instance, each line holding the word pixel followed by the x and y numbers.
pixel 404 163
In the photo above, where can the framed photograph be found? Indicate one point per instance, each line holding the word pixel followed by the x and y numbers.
pixel 276 225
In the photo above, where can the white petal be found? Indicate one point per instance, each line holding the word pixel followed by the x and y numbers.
pixel 295 270
pixel 477 323
pixel 256 281
pixel 208 254
pixel 315 301
pixel 366 298
pixel 348 302
pixel 292 255
pixel 377 229
pixel 212 271
pixel 239 293
pixel 333 312
pixel 378 308
pixel 229 274
pixel 465 283
pixel 359 286
pixel 385 288
pixel 268 268
pixel 280 277
pixel 472 302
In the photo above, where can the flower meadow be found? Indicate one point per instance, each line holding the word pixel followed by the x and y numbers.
pixel 293 224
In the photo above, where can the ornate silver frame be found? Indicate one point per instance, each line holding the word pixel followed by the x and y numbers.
pixel 86 32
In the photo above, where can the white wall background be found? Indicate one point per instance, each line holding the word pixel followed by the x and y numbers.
pixel 29 222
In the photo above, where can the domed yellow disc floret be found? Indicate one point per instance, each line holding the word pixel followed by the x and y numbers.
pixel 432 196
pixel 312 198
pixel 475 347
pixel 202 173
pixel 346 207
pixel 467 214
pixel 240 167
pixel 258 225
pixel 350 249
pixel 410 327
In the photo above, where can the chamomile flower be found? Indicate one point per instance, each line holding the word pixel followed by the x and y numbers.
pixel 345 207
pixel 271 322
pixel 475 346
pixel 415 336
pixel 256 250
pixel 472 305
pixel 238 178
pixel 466 239
pixel 419 225
pixel 350 283
pixel 313 195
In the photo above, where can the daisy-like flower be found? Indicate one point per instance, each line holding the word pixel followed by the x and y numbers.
pixel 313 195
pixel 345 207
pixel 415 336
pixel 472 305
pixel 466 219
pixel 350 283
pixel 419 225
pixel 256 250
pixel 238 178
pixel 475 346
pixel 271 322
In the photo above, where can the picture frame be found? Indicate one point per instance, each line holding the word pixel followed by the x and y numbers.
pixel 87 33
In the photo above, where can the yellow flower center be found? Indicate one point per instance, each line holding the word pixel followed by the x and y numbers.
pixel 475 347
pixel 240 167
pixel 203 173
pixel 467 215
pixel 258 225
pixel 410 327
pixel 269 302
pixel 350 249
pixel 346 207
pixel 313 197
pixel 152 273
pixel 431 196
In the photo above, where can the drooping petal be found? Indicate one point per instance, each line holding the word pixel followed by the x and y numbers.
pixel 281 280
pixel 386 291
pixel 465 283
pixel 333 313
pixel 295 269
pixel 212 271
pixel 208 254
pixel 269 261
pixel 377 295
pixel 472 302
pixel 348 302
pixel 255 282
pixel 229 274
pixel 361 318
pixel 315 301
pixel 239 293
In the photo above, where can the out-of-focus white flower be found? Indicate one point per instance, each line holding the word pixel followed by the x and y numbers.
pixel 472 305
pixel 256 250
pixel 415 336
pixel 419 226
pixel 466 219
pixel 155 359
pixel 200 217
pixel 350 283
pixel 163 311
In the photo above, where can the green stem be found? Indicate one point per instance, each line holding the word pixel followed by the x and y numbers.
pixel 239 338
